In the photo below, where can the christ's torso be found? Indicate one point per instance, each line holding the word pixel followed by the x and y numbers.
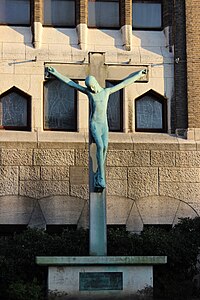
pixel 98 104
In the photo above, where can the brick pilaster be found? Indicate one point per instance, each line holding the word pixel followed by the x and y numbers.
pixel 167 12
pixel 193 61
pixel 37 21
pixel 81 11
pixel 180 69
pixel 37 9
pixel 126 12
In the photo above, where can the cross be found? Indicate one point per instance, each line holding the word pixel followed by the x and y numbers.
pixel 98 136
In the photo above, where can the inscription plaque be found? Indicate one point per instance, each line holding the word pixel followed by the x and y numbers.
pixel 96 281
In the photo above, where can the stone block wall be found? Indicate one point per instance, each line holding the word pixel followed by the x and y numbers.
pixel 148 182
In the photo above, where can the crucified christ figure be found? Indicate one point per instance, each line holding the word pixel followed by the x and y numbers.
pixel 98 99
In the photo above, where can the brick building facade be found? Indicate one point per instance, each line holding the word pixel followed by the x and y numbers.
pixel 153 165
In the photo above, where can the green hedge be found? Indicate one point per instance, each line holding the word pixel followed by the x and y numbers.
pixel 21 278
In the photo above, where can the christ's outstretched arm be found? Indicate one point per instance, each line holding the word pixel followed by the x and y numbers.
pixel 128 80
pixel 66 80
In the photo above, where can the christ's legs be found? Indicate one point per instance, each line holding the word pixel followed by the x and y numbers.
pixel 96 132
pixel 105 143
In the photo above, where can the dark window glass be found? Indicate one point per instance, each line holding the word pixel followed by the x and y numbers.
pixel 59 13
pixel 103 14
pixel 15 12
pixel 147 15
pixel 59 106
pixel 15 110
pixel 115 109
pixel 150 113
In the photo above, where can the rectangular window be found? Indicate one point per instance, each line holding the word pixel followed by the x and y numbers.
pixel 60 109
pixel 115 109
pixel 147 15
pixel 103 14
pixel 59 13
pixel 15 12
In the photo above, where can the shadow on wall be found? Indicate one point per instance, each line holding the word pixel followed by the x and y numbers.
pixel 161 210
pixel 16 34
pixel 68 210
pixel 53 210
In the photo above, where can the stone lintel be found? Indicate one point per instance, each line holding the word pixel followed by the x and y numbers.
pixel 100 260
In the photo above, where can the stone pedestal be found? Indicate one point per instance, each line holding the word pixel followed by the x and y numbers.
pixel 100 277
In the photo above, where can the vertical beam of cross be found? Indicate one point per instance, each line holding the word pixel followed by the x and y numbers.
pixel 98 233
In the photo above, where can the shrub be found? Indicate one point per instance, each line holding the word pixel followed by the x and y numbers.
pixel 18 269
pixel 21 278
pixel 25 291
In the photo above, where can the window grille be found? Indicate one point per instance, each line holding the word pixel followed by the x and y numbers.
pixel 151 113
pixel 60 109
pixel 15 110
pixel 115 109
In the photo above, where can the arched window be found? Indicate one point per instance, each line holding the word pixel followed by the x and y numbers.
pixel 60 106
pixel 151 112
pixel 15 12
pixel 15 110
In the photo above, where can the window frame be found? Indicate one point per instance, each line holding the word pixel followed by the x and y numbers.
pixel 161 99
pixel 105 27
pixel 75 107
pixel 62 26
pixel 29 100
pixel 121 95
pixel 21 24
pixel 149 28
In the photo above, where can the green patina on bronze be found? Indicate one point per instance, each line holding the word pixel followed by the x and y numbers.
pixel 98 99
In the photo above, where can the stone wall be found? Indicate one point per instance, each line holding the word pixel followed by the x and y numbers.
pixel 149 181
